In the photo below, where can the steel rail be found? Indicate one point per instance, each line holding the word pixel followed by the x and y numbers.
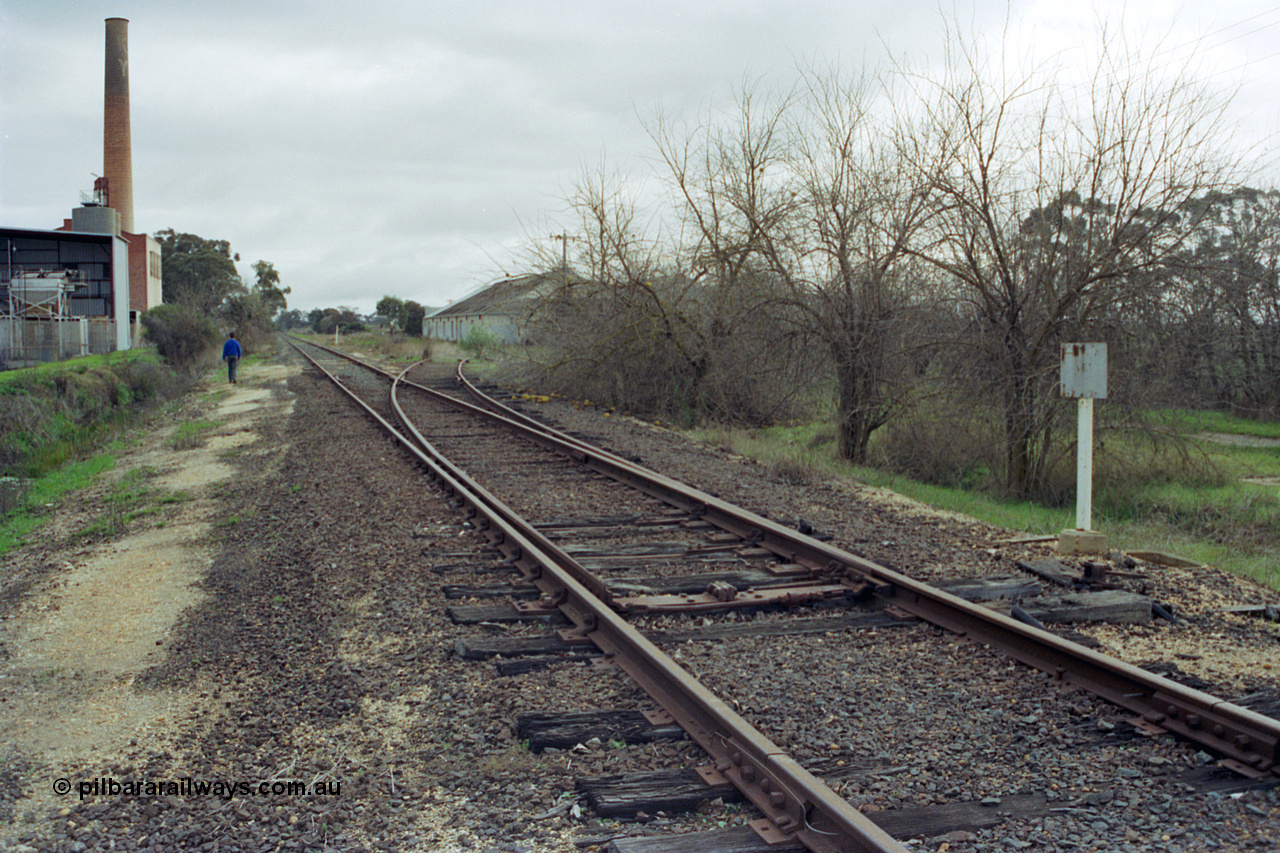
pixel 797 805
pixel 1249 741
pixel 795 802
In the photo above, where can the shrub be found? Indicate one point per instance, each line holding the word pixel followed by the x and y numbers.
pixel 181 334
pixel 478 341
pixel 952 449
pixel 145 381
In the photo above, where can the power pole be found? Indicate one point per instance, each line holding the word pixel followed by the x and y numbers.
pixel 564 249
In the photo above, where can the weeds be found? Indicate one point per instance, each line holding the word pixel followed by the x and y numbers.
pixel 191 434
pixel 110 524
pixel 131 497
pixel 514 760
pixel 793 471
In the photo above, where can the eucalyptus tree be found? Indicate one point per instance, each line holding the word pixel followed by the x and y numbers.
pixel 392 308
pixel 1225 300
pixel 267 289
pixel 197 272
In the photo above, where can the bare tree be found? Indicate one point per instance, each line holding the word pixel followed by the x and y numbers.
pixel 795 202
pixel 628 324
pixel 1050 203
pixel 860 212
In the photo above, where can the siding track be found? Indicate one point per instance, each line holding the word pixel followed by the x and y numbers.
pixel 453 444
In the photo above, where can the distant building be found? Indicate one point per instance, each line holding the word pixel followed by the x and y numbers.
pixel 499 307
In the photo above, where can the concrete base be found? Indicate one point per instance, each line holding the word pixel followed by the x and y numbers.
pixel 1082 542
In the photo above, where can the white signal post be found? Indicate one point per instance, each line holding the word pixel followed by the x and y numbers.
pixel 1084 376
pixel 1084 465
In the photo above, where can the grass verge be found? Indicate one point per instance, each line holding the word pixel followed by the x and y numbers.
pixel 61 426
pixel 1230 524
pixel 44 492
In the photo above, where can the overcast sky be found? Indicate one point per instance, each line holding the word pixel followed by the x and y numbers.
pixel 413 147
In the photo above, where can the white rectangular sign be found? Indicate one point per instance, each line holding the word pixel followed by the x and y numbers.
pixel 1084 370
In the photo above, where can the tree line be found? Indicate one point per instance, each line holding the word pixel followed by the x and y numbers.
pixel 204 296
pixel 401 316
pixel 915 247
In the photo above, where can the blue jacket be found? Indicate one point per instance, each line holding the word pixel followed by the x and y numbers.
pixel 231 349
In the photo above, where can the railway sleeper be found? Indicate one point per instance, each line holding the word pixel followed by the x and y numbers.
pixel 909 822
pixel 567 730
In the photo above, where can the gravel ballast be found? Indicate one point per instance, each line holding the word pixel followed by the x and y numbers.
pixel 321 653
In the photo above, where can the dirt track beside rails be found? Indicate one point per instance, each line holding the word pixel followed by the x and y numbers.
pixel 285 625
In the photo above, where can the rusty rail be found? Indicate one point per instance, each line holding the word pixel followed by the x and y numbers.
pixel 1250 742
pixel 796 804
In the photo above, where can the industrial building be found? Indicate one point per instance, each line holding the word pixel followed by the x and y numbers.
pixel 80 288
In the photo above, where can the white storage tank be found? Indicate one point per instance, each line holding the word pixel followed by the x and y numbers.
pixel 40 294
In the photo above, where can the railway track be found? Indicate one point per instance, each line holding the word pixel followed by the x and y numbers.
pixel 595 551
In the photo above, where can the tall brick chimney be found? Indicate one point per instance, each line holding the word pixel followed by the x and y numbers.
pixel 117 149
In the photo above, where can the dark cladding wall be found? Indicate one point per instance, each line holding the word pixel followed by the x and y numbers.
pixel 88 255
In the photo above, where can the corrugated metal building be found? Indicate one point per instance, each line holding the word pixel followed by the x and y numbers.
pixel 499 307
pixel 99 265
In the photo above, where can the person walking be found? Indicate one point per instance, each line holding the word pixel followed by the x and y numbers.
pixel 231 354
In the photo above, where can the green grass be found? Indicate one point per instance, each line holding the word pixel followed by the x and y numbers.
pixel 1238 461
pixel 191 434
pixel 1224 422
pixel 44 491
pixel 810 451
pixel 1190 501
pixel 49 370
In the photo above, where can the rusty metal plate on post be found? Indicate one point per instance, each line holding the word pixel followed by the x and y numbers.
pixel 1084 371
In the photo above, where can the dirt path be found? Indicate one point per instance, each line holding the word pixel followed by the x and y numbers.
pixel 1246 441
pixel 100 614
pixel 1240 440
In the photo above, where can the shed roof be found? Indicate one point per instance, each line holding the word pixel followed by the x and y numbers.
pixel 504 295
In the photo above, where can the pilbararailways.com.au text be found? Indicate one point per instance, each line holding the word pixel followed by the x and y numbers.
pixel 226 789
